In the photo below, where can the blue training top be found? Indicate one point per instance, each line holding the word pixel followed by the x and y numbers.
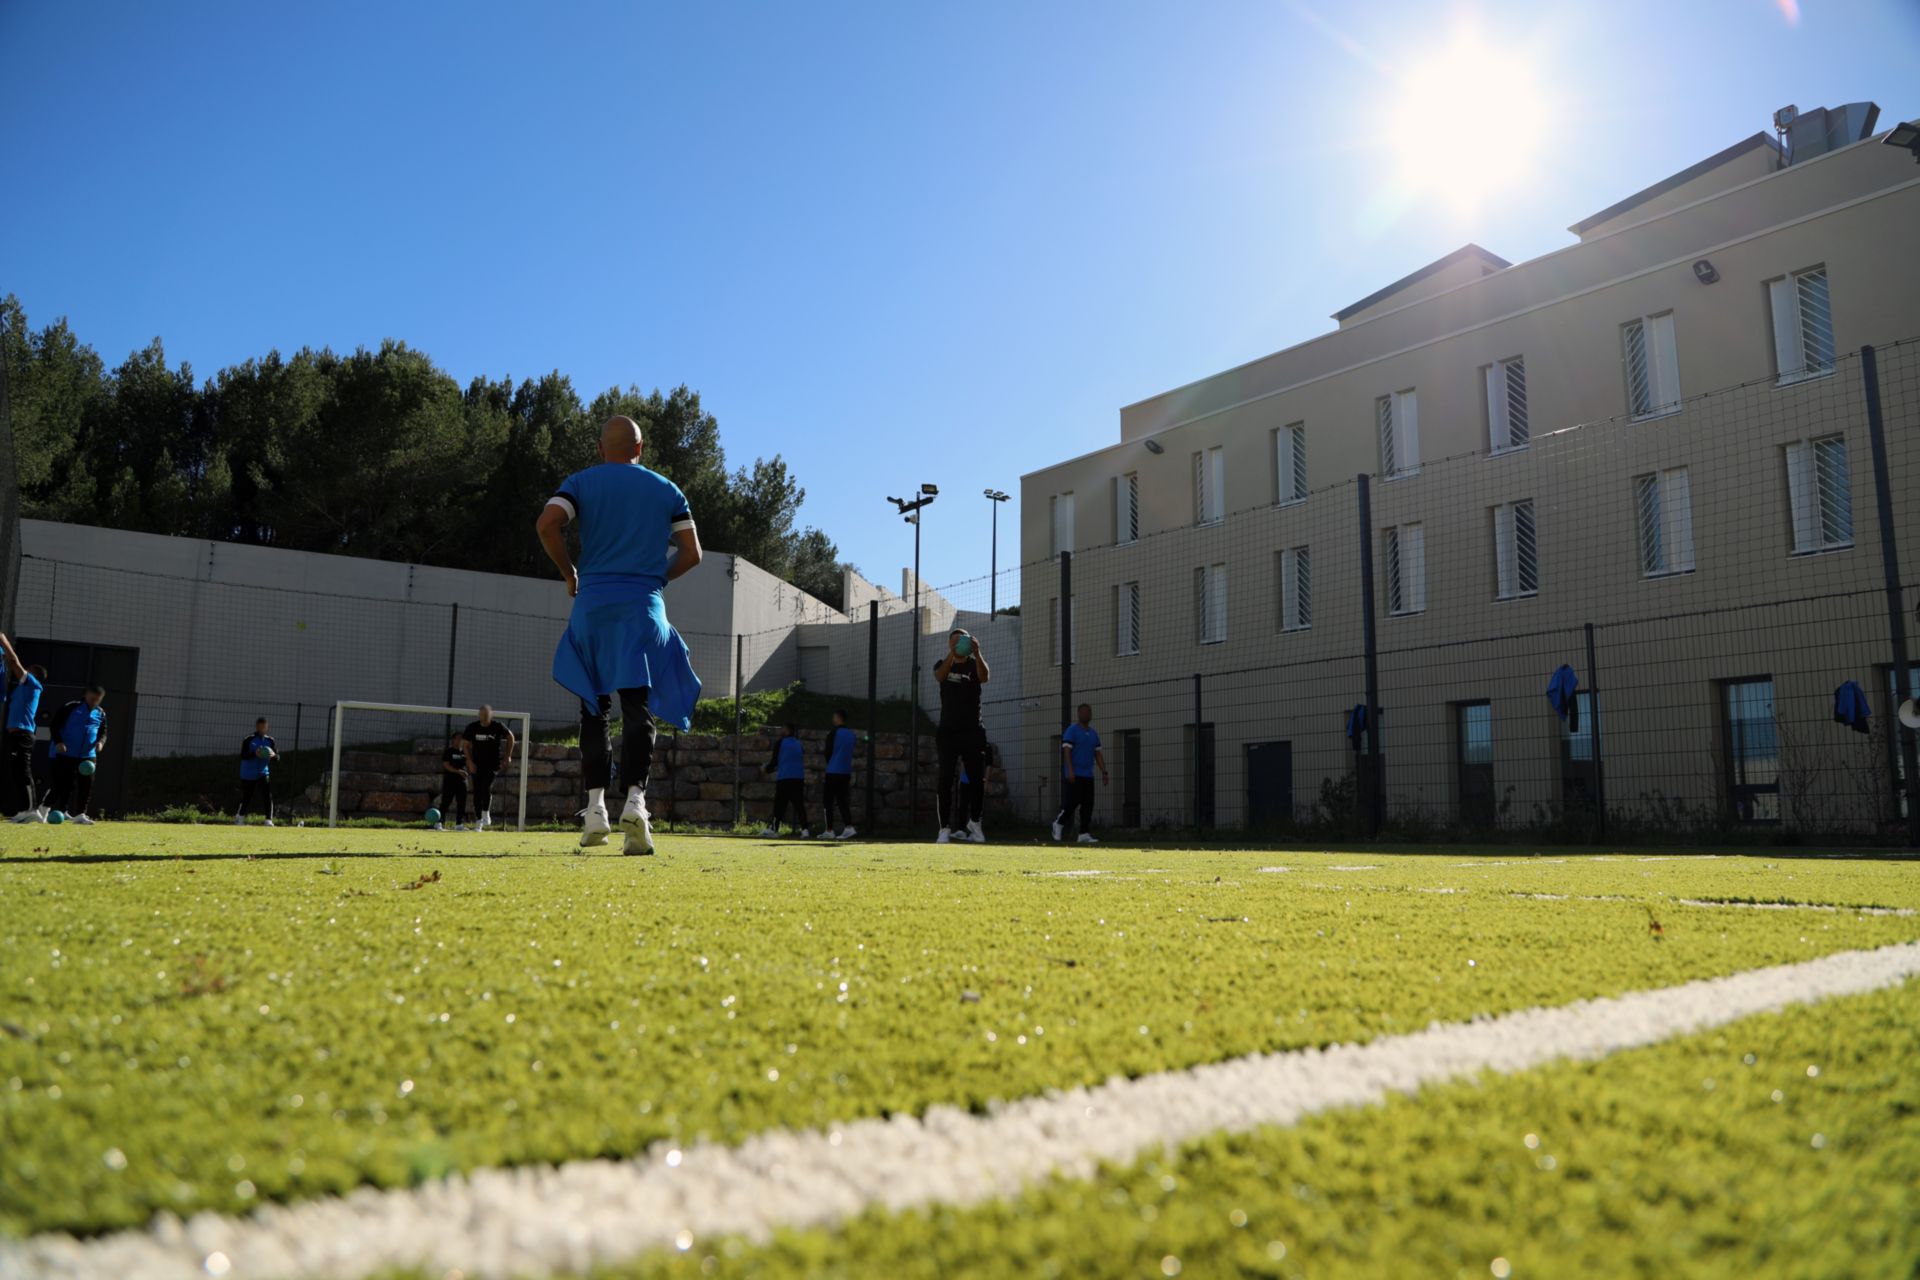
pixel 1084 742
pixel 627 517
pixel 791 760
pixel 81 731
pixel 840 748
pixel 252 767
pixel 23 703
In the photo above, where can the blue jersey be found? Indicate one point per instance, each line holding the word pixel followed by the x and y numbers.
pixel 252 767
pixel 627 517
pixel 81 731
pixel 790 760
pixel 23 704
pixel 1083 742
pixel 840 747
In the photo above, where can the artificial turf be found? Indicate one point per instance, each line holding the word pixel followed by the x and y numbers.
pixel 209 1017
pixel 1782 1145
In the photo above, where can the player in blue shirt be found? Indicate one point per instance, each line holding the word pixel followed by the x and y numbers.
pixel 1080 753
pixel 256 773
pixel 636 535
pixel 79 734
pixel 788 765
pixel 24 687
pixel 840 746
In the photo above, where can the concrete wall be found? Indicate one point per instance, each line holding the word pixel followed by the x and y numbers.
pixel 226 631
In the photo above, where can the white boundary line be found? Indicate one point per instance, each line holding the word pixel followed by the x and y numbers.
pixel 531 1221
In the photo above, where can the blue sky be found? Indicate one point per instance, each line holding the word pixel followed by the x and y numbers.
pixel 895 243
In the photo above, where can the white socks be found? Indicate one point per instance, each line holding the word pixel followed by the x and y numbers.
pixel 596 797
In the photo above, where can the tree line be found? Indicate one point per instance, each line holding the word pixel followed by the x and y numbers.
pixel 377 453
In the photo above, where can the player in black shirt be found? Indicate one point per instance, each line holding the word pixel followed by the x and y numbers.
pixel 491 744
pixel 961 736
pixel 454 769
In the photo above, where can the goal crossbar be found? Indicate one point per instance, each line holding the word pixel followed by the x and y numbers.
pixel 340 710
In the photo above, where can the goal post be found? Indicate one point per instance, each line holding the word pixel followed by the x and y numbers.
pixel 340 710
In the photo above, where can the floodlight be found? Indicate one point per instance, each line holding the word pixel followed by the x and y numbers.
pixel 1154 447
pixel 1905 135
pixel 930 489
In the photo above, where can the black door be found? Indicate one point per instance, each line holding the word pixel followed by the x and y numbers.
pixel 71 668
pixel 1269 785
pixel 1129 778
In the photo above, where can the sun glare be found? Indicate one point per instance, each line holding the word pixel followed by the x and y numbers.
pixel 1466 124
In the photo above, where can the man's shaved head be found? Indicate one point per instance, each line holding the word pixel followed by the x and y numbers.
pixel 620 439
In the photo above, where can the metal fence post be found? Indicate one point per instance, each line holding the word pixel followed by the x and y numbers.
pixel 1373 784
pixel 739 675
pixel 1890 566
pixel 298 707
pixel 1599 757
pixel 1065 639
pixel 873 705
pixel 1200 756
pixel 453 651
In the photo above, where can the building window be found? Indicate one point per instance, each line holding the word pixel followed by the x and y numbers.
pixel 1290 464
pixel 1515 550
pixel 1802 325
pixel 1126 508
pixel 1054 630
pixel 1296 589
pixel 1753 750
pixel 1060 507
pixel 1506 405
pixel 1663 501
pixel 1209 486
pixel 1406 556
pixel 1473 764
pixel 1819 494
pixel 1399 416
pixel 1653 366
pixel 1210 602
pixel 1126 619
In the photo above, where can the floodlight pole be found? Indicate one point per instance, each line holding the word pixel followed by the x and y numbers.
pixel 995 497
pixel 910 512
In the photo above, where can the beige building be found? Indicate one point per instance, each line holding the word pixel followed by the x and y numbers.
pixel 1660 430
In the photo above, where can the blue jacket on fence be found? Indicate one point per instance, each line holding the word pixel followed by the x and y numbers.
pixel 1850 707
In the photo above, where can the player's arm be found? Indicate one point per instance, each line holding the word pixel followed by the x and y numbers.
pixel 273 750
pixel 552 529
pixel 980 671
pixel 945 664
pixel 15 668
pixel 686 551
pixel 507 756
pixel 1100 758
pixel 1066 753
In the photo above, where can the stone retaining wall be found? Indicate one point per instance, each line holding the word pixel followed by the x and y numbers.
pixel 693 780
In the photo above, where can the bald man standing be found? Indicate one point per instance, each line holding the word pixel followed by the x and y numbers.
pixel 636 535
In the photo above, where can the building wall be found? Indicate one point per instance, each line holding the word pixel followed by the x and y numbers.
pixel 1850 211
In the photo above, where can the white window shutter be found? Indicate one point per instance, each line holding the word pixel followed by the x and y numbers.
pixel 1497 434
pixel 1836 491
pixel 1303 584
pixel 1063 523
pixel 1789 355
pixel 1803 496
pixel 1413 567
pixel 1677 501
pixel 1664 358
pixel 1389 458
pixel 1289 589
pixel 1518 432
pixel 1505 556
pixel 1200 614
pixel 1396 596
pixel 1407 426
pixel 1218 600
pixel 1199 488
pixel 1216 483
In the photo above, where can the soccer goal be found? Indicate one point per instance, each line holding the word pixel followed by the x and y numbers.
pixel 340 710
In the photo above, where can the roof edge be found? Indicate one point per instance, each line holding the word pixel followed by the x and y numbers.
pixel 1667 184
pixel 1461 254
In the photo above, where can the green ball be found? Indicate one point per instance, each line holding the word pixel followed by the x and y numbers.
pixel 265 753
pixel 56 817
pixel 433 816
pixel 86 768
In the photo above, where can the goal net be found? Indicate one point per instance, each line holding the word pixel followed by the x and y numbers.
pixel 445 721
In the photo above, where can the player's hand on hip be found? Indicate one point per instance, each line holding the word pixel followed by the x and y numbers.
pixel 573 583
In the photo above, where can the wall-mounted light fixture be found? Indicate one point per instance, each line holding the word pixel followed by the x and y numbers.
pixel 1705 272
pixel 1154 447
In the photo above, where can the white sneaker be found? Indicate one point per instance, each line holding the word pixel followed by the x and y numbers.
pixel 85 821
pixel 806 833
pixel 637 822
pixel 1087 838
pixel 239 819
pixel 975 834
pixel 846 834
pixel 439 827
pixel 32 815
pixel 269 821
pixel 486 820
pixel 595 826
pixel 1058 834
pixel 944 837
pixel 770 834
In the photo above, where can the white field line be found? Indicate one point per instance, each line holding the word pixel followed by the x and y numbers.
pixel 1712 905
pixel 532 1221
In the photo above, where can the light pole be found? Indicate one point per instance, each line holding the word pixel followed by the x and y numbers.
pixel 910 512
pixel 993 582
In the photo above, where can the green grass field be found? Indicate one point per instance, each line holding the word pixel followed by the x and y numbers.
pixel 211 1018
